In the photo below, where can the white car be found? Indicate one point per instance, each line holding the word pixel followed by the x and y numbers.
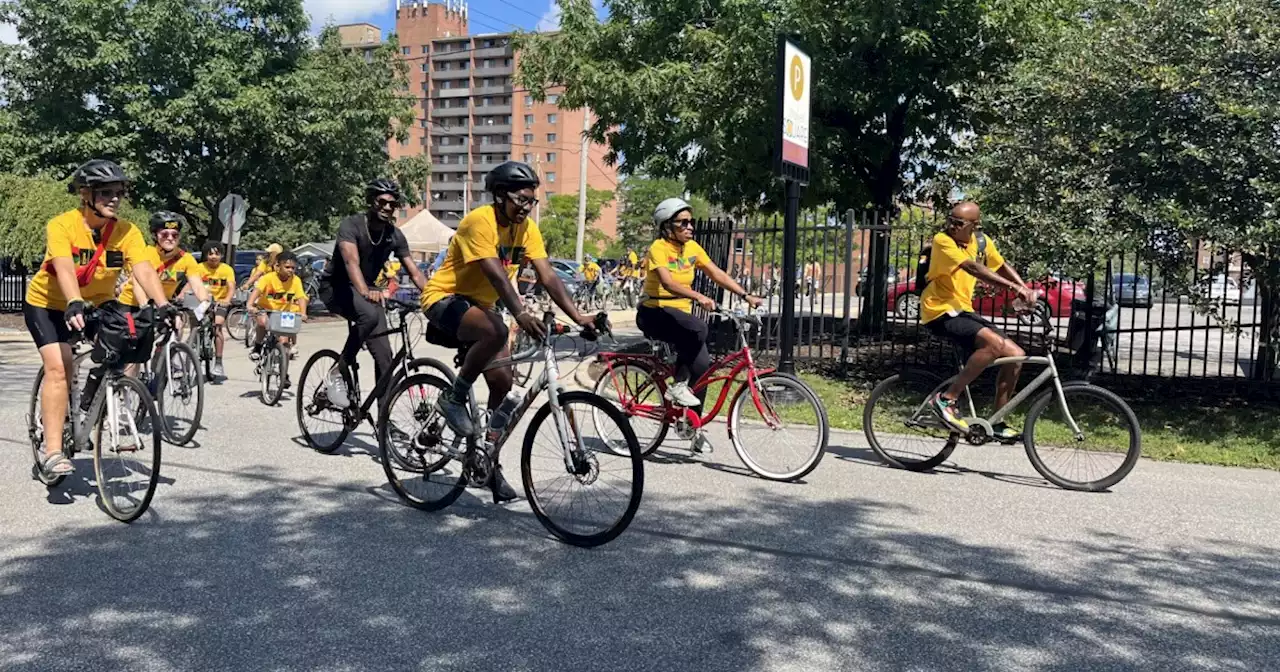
pixel 1229 290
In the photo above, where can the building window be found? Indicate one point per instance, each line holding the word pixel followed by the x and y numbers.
pixel 487 63
pixel 425 48
pixel 553 98
pixel 551 157
pixel 528 138
pixel 551 137
pixel 403 213
pixel 528 102
pixel 528 120
pixel 527 157
pixel 551 177
pixel 425 66
pixel 551 118
pixel 486 101
pixel 407 50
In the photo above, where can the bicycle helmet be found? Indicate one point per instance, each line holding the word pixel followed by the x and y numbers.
pixel 166 219
pixel 668 209
pixel 379 187
pixel 511 176
pixel 96 172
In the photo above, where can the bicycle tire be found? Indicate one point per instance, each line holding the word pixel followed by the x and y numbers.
pixel 649 445
pixel 275 364
pixel 35 434
pixel 436 428
pixel 912 383
pixel 180 351
pixel 523 371
pixel 557 529
pixel 303 398
pixel 810 462
pixel 235 324
pixel 146 411
pixel 1122 409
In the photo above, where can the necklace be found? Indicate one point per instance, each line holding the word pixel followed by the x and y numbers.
pixel 370 235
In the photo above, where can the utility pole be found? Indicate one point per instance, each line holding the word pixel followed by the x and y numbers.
pixel 537 170
pixel 582 183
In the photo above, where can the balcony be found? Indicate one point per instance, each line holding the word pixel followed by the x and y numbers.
pixel 477 90
pixel 437 129
pixel 479 148
pixel 460 111
pixel 450 93
pixel 451 73
pixel 488 110
pixel 449 149
pixel 459 55
pixel 493 71
pixel 442 185
pixel 491 129
pixel 493 52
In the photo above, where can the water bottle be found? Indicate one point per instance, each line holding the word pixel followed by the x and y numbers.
pixel 500 417
pixel 336 389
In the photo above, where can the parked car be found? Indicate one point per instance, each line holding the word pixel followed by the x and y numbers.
pixel 1230 291
pixel 244 263
pixel 569 266
pixel 1055 299
pixel 1131 289
pixel 890 278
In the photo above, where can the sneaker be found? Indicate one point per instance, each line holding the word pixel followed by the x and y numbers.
pixel 947 411
pixel 255 355
pixel 455 413
pixel 502 490
pixel 1005 434
pixel 680 395
pixel 218 371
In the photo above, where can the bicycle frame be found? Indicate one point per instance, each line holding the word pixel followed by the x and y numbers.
pixel 1049 374
pixel 400 362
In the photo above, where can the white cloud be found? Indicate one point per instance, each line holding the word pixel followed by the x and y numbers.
pixel 551 18
pixel 344 11
pixel 8 33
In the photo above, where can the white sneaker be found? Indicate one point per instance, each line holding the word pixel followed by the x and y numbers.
pixel 680 395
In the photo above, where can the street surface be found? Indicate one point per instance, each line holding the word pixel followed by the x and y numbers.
pixel 259 554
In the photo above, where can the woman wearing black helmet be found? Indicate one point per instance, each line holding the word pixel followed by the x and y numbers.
pixel 86 249
pixel 665 313
pixel 479 269
pixel 177 268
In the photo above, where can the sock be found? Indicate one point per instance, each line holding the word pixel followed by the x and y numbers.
pixel 462 388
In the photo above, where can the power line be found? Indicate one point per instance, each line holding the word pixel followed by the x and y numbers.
pixel 512 4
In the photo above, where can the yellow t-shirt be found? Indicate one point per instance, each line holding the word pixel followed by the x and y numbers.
pixel 67 235
pixel 681 262
pixel 262 268
pixel 480 237
pixel 276 294
pixel 219 281
pixel 631 257
pixel 591 271
pixel 170 276
pixel 950 289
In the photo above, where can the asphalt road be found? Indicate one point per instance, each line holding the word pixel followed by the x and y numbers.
pixel 259 554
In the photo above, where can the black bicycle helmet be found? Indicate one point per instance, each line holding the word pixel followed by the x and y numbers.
pixel 511 176
pixel 166 219
pixel 96 172
pixel 379 187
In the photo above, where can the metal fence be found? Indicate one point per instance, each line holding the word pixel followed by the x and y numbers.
pixel 857 305
pixel 13 286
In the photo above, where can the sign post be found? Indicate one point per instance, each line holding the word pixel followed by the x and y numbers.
pixel 232 212
pixel 795 87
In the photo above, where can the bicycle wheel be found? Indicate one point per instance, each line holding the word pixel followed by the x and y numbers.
pixel 900 429
pixel 236 323
pixel 1105 451
pixel 632 388
pixel 126 451
pixel 324 426
pixel 778 427
pixel 35 434
pixel 523 371
pixel 421 456
pixel 275 371
pixel 180 394
pixel 601 474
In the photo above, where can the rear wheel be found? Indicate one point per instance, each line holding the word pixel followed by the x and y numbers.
pixel 324 425
pixel 778 427
pixel 421 456
pixel 126 448
pixel 275 371
pixel 236 323
pixel 180 394
pixel 1100 456
pixel 900 430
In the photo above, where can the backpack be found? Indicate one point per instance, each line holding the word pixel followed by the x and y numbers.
pixel 926 257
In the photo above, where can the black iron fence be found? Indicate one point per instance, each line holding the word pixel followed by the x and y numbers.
pixel 13 286
pixel 857 304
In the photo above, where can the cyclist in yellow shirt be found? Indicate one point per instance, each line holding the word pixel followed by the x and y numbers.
pixel 279 290
pixel 175 266
pixel 86 250
pixel 220 279
pixel 264 266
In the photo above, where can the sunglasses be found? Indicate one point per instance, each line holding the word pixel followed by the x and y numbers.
pixel 384 203
pixel 167 235
pixel 524 201
pixel 110 192
pixel 682 223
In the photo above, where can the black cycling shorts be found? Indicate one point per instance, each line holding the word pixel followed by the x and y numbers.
pixel 962 329
pixel 47 326
pixel 444 318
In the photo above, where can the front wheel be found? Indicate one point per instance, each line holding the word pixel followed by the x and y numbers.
pixel 583 477
pixel 236 323
pixel 126 448
pixel 180 394
pixel 778 427
pixel 325 424
pixel 900 429
pixel 274 372
pixel 1104 451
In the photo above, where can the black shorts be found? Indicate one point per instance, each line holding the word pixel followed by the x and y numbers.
pixel 47 326
pixel 444 318
pixel 220 310
pixel 962 329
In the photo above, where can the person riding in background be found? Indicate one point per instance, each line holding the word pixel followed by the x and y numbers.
pixel 176 267
pixel 220 279
pixel 946 309
pixel 280 290
pixel 666 309
pixel 86 250
pixel 264 266
pixel 366 243
pixel 591 271
pixel 479 270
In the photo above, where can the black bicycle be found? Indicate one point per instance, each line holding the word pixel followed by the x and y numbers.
pixel 329 405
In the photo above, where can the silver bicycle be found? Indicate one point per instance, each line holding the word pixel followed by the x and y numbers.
pixel 1077 435
pixel 582 471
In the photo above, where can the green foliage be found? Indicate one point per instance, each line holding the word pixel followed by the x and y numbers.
pixel 639 195
pixel 200 98
pixel 26 206
pixel 559 223
pixel 686 88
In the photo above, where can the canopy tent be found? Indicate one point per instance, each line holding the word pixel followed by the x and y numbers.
pixel 425 233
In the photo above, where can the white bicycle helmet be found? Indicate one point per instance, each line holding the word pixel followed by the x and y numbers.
pixel 668 209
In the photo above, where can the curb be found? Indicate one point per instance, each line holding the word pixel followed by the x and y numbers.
pixel 15 337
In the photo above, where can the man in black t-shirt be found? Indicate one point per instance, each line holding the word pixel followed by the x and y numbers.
pixel 364 243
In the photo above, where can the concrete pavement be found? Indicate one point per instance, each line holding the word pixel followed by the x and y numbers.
pixel 261 554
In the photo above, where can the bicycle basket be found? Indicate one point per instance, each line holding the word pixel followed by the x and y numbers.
pixel 722 336
pixel 284 323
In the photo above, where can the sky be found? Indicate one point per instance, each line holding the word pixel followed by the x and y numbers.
pixel 486 16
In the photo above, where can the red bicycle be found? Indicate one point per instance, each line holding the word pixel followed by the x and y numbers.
pixel 776 423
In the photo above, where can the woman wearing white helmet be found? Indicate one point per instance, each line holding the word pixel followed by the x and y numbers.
pixel 665 314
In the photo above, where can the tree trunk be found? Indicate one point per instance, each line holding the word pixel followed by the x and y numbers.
pixel 1266 271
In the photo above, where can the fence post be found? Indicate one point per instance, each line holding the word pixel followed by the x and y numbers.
pixel 848 285
pixel 786 358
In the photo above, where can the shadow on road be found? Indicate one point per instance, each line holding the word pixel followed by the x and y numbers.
pixel 319 576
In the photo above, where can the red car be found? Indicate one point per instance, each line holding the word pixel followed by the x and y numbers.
pixel 1055 299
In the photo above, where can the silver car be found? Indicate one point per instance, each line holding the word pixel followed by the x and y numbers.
pixel 1130 289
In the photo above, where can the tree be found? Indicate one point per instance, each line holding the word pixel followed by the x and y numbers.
pixel 686 88
pixel 1140 125
pixel 639 195
pixel 26 206
pixel 559 224
pixel 200 98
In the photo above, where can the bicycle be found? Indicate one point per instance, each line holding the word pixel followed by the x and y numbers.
pixel 202 341
pixel 896 404
pixel 172 376
pixel 238 323
pixel 104 416
pixel 637 383
pixel 273 363
pixel 316 400
pixel 428 465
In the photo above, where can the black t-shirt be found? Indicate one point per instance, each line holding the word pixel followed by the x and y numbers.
pixel 374 248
